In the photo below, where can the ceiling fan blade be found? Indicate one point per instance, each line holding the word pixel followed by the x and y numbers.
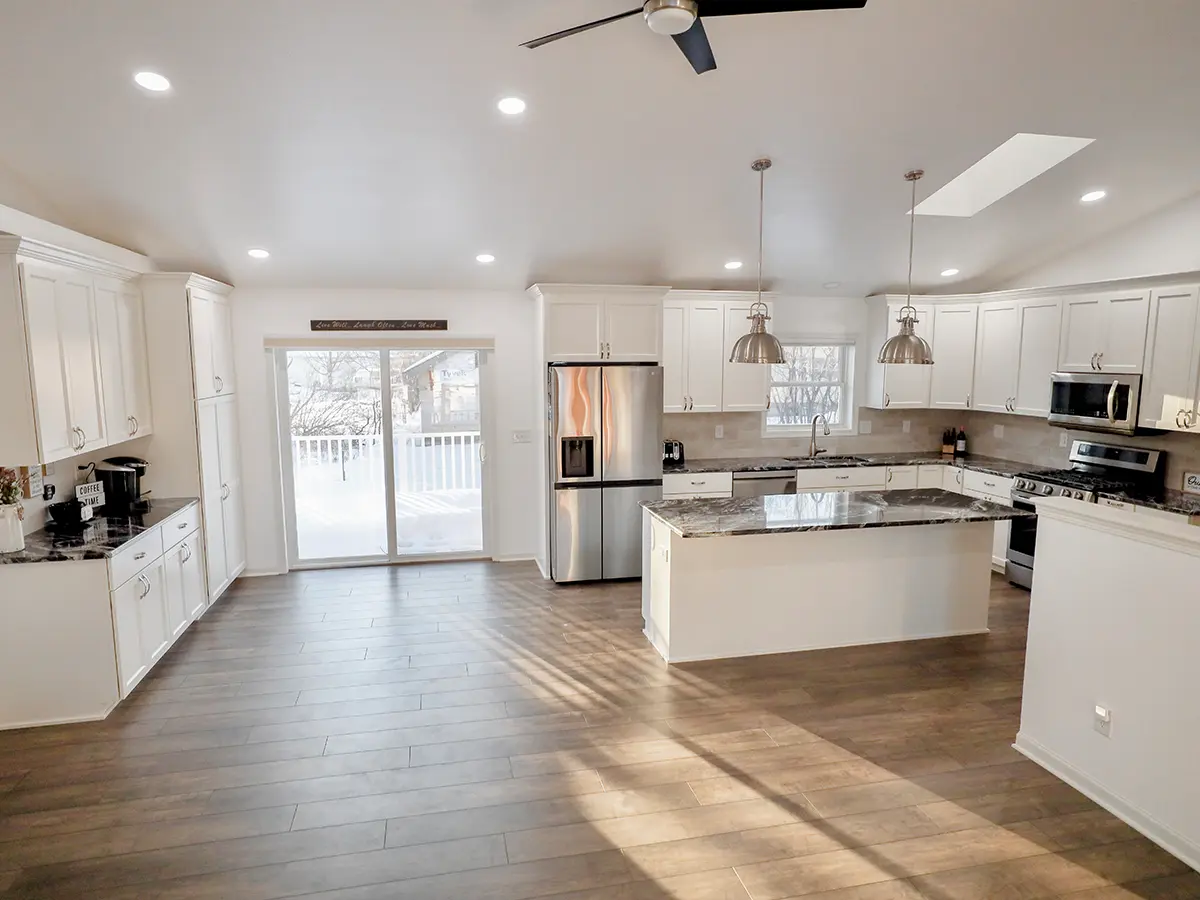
pixel 752 7
pixel 579 28
pixel 695 46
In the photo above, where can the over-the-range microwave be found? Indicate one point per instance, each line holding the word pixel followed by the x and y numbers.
pixel 1095 401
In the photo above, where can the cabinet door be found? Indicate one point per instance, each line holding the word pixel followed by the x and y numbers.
pixel 1037 355
pixel 56 438
pixel 1082 333
pixel 1172 359
pixel 931 476
pixel 1124 348
pixel 574 330
pixel 954 356
pixel 633 330
pixel 211 496
pixel 745 387
pixel 705 360
pixel 175 590
pixel 131 324
pixel 231 479
pixel 132 661
pixel 123 364
pixel 674 358
pixel 153 617
pixel 81 359
pixel 203 336
pixel 908 387
pixel 997 347
pixel 194 595
pixel 952 479
pixel 902 478
pixel 222 355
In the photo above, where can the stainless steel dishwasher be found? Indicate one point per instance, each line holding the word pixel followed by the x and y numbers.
pixel 760 484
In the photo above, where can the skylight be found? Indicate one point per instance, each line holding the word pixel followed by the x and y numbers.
pixel 1016 162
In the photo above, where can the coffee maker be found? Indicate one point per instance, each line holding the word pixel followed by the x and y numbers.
pixel 122 480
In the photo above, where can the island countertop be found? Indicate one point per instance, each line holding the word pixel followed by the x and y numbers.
pixel 825 511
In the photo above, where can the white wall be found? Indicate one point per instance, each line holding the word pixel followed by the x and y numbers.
pixel 506 317
pixel 1165 243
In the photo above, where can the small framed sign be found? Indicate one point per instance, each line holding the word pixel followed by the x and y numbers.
pixel 90 494
pixel 378 325
pixel 1191 482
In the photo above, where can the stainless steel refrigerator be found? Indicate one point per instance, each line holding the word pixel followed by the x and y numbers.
pixel 605 459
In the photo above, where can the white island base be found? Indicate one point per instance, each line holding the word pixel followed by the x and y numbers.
pixel 745 595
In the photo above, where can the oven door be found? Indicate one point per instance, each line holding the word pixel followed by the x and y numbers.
pixel 1022 540
pixel 1095 401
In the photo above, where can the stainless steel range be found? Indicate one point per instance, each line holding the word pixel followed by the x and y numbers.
pixel 1095 469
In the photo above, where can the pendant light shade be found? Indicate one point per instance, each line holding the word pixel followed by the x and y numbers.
pixel 759 346
pixel 908 347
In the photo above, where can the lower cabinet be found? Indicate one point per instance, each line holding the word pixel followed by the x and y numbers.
pixel 186 596
pixel 866 478
pixel 140 623
pixel 995 489
pixel 902 478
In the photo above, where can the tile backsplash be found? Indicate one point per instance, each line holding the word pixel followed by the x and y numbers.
pixel 1024 439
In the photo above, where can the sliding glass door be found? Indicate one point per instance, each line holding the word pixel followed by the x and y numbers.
pixel 383 454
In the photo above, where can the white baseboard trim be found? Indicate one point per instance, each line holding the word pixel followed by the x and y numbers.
pixel 888 640
pixel 262 573
pixel 1138 819
pixel 544 568
pixel 68 720
pixel 512 557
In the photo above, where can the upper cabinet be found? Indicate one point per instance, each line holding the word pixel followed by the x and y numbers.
pixel 746 387
pixel 1169 390
pixel 1104 332
pixel 693 341
pixel 953 371
pixel 1016 349
pixel 123 363
pixel 601 323
pixel 1037 355
pixel 212 343
pixel 898 386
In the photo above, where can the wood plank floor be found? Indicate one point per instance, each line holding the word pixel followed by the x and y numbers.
pixel 469 731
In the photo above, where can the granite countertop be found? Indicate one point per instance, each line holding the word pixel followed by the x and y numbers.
pixel 986 464
pixel 99 540
pixel 1167 500
pixel 825 511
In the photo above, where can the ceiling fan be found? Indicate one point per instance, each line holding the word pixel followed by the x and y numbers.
pixel 681 19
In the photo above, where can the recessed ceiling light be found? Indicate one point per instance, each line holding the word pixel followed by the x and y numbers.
pixel 485 258
pixel 733 264
pixel 511 106
pixel 152 81
pixel 258 253
pixel 1093 196
pixel 830 285
pixel 949 273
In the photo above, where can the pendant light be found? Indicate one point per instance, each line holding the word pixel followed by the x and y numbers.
pixel 907 347
pixel 759 346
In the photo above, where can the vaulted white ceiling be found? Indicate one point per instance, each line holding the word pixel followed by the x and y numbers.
pixel 359 141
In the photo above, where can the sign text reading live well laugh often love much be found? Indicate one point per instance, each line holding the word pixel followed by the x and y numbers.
pixel 378 325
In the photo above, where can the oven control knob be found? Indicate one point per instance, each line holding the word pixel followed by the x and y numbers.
pixel 1079 495
pixel 1047 490
pixel 1022 484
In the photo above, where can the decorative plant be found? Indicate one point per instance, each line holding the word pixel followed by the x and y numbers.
pixel 12 489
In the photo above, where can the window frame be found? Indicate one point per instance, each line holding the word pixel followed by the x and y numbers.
pixel 849 345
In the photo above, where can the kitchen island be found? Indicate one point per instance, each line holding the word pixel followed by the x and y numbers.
pixel 786 572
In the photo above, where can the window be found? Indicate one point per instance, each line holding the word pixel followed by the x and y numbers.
pixel 815 380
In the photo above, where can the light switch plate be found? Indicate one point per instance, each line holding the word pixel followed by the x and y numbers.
pixel 719 432
pixel 906 426
pixel 1064 439
pixel 522 437
pixel 998 431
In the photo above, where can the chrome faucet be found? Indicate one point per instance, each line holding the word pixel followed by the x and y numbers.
pixel 813 451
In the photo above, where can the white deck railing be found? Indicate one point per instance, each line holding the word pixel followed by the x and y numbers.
pixel 438 461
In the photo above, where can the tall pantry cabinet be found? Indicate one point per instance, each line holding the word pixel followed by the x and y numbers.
pixel 188 324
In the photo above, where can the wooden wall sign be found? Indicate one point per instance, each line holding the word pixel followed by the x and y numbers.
pixel 378 325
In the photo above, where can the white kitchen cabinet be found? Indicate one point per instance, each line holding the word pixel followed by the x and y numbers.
pixel 953 374
pixel 902 478
pixel 693 341
pixel 745 386
pixel 123 360
pixel 952 479
pixel 851 478
pixel 1169 390
pixel 140 624
pixel 221 493
pixel 81 358
pixel 1037 355
pixel 997 345
pixel 212 344
pixel 184 584
pixel 931 476
pixel 697 485
pixel 897 386
pixel 1104 332
pixel 593 323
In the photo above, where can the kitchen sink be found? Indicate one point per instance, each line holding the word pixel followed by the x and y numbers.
pixel 828 459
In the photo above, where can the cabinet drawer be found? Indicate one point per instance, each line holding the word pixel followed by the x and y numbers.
pixel 724 495
pixel 179 526
pixel 990 498
pixel 707 483
pixel 142 551
pixel 841 479
pixel 987 484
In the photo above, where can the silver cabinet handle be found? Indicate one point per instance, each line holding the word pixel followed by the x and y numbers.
pixel 137 426
pixel 218 383
pixel 145 583
pixel 224 492
pixel 841 477
pixel 139 555
pixel 1189 418
pixel 132 427
pixel 1099 362
pixel 889 479
pixel 698 483
pixel 1095 365
pixel 1112 400
pixel 990 484
pixel 187 550
pixel 182 525
pixel 768 399
pixel 74 438
pixel 968 401
pixel 1178 416
pixel 887 399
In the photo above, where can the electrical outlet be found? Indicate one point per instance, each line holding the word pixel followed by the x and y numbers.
pixel 522 437
pixel 1102 721
pixel 998 431
pixel 906 426
pixel 719 432
pixel 1064 439
pixel 48 492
